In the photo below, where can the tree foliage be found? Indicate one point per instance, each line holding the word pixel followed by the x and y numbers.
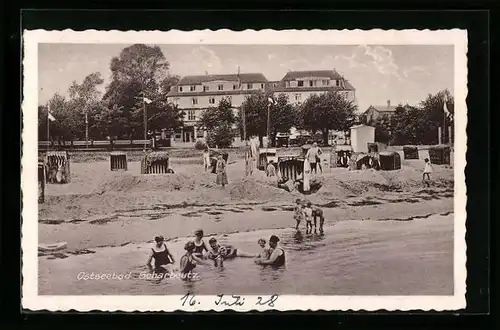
pixel 219 121
pixel 138 71
pixel 283 115
pixel 329 111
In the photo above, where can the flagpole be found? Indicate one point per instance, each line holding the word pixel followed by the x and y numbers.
pixel 48 129
pixel 268 122
pixel 444 122
pixel 145 122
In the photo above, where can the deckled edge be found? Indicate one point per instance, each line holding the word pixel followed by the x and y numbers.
pixel 25 192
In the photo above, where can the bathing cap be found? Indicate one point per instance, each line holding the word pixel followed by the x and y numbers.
pixel 189 246
pixel 274 239
pixel 159 239
pixel 212 240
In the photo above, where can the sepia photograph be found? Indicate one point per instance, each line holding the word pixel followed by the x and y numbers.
pixel 244 170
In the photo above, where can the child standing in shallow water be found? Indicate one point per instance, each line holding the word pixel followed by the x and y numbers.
pixel 308 215
pixel 298 213
pixel 427 172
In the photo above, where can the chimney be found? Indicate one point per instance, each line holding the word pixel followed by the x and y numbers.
pixel 238 70
pixel 388 104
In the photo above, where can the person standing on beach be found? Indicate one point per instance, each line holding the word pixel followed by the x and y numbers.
pixel 298 213
pixel 427 172
pixel 206 158
pixel 221 172
pixel 277 256
pixel 312 156
pixel 271 170
pixel 199 244
pixel 163 258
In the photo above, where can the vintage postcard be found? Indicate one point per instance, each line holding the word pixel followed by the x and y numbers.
pixel 255 170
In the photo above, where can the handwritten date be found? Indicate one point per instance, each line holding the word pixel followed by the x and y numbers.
pixel 230 300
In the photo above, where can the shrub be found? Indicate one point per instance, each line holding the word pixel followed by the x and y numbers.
pixel 200 145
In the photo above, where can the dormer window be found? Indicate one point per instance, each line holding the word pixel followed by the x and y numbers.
pixel 311 83
pixel 205 88
pixel 326 82
pixel 192 88
pixel 220 87
pixel 337 83
pixel 300 83
pixel 249 86
pixel 261 86
pixel 180 89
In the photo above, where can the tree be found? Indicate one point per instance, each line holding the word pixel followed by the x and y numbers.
pixel 84 99
pixel 383 129
pixel 219 121
pixel 141 71
pixel 283 115
pixel 432 106
pixel 329 111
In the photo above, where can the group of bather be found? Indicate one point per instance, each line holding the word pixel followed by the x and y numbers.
pixel 198 253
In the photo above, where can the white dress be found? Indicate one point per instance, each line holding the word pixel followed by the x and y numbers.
pixel 307 175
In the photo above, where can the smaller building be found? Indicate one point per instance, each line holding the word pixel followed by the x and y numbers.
pixel 375 111
pixel 361 135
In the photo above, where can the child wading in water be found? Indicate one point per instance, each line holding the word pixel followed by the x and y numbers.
pixel 266 252
pixel 318 213
pixel 298 213
pixel 308 215
pixel 427 172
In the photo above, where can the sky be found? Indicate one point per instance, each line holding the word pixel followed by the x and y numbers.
pixel 401 74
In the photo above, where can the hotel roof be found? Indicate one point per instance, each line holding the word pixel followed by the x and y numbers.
pixel 243 77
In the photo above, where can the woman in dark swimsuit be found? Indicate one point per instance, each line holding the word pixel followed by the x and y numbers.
pixel 189 261
pixel 199 244
pixel 277 257
pixel 163 258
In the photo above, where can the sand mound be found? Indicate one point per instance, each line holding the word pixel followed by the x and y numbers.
pixel 141 183
pixel 250 189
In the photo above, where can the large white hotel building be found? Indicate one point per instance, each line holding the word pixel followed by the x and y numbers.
pixel 194 94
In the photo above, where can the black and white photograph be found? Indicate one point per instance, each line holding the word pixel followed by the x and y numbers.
pixel 253 170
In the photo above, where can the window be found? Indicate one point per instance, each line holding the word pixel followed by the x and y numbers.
pixel 192 88
pixel 205 88
pixel 298 97
pixel 211 100
pixel 191 115
pixel 249 86
pixel 261 86
pixel 326 82
pixel 176 101
pixel 235 87
pixel 180 88
pixel 300 83
pixel 194 100
pixel 311 83
pixel 220 87
pixel 337 82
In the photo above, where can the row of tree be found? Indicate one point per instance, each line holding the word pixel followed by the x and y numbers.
pixel 416 124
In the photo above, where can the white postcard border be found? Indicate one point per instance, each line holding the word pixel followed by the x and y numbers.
pixel 32 301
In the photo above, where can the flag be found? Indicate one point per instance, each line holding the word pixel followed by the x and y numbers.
pixel 148 101
pixel 49 114
pixel 446 111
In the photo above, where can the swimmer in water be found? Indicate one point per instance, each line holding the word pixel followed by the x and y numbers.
pixel 164 260
pixel 277 257
pixel 221 252
pixel 189 260
pixel 265 253
pixel 308 216
pixel 199 244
